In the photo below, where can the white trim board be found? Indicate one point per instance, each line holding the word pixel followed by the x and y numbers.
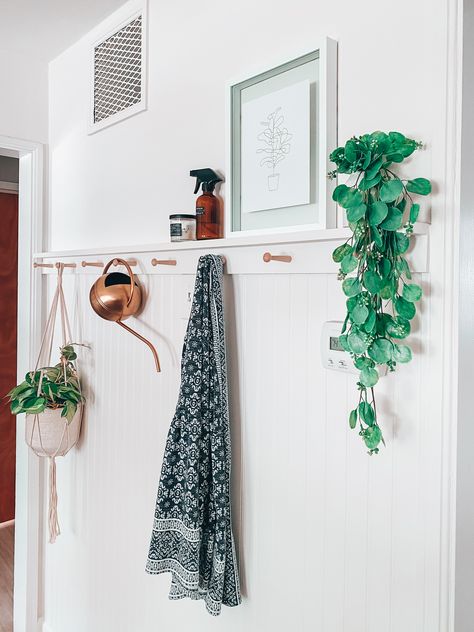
pixel 28 516
pixel 311 254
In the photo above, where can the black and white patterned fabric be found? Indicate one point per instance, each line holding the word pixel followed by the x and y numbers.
pixel 192 532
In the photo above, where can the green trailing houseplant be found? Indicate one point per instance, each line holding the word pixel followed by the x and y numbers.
pixel 52 387
pixel 376 278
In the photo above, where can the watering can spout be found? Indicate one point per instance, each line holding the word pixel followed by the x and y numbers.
pixel 147 342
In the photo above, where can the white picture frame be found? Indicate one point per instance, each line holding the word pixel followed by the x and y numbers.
pixel 320 63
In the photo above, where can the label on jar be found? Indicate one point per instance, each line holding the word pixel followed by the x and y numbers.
pixel 200 210
pixel 176 230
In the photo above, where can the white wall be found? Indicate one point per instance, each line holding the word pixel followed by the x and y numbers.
pixel 120 185
pixel 465 506
pixel 24 100
pixel 329 539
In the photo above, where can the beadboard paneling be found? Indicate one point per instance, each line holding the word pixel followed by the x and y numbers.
pixel 329 539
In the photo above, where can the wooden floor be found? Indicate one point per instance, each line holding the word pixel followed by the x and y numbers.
pixel 6 577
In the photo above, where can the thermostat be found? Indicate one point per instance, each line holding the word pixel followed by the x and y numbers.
pixel 333 355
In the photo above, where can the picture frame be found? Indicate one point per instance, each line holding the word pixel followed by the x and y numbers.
pixel 281 127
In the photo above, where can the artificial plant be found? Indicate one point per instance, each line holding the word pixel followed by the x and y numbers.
pixel 50 387
pixel 375 274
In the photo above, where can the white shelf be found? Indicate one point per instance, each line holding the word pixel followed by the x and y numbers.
pixel 311 252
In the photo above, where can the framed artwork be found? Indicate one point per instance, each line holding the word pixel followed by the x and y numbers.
pixel 281 129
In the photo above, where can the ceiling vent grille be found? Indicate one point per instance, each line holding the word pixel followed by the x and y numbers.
pixel 118 79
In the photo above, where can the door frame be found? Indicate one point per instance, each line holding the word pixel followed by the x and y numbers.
pixel 27 609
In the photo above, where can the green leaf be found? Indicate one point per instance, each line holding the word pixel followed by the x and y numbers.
pixel 350 151
pixel 353 419
pixel 366 413
pixel 16 407
pixel 34 405
pixel 380 350
pixel 369 377
pixel 377 237
pixel 397 139
pixel 369 324
pixel 394 219
pixel 365 184
pixel 341 188
pixel 70 409
pixel 402 268
pixel 359 314
pixel 362 362
pixel 401 244
pixel 395 156
pixel 355 213
pixel 344 344
pixel 398 327
pixel 340 252
pixel 357 342
pixel 351 197
pixel 372 437
pixel 408 147
pixel 412 292
pixel 387 291
pixel 414 211
pixel 422 186
pixel 401 353
pixel 385 267
pixel 390 190
pixel 26 394
pixel 405 308
pixel 349 263
pixel 378 211
pixel 373 169
pixel 351 287
pixel 372 281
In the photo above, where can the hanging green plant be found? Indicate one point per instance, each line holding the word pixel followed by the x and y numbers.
pixel 375 274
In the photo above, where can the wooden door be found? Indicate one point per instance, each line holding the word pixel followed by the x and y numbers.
pixel 8 335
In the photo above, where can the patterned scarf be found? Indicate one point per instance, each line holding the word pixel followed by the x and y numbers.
pixel 192 532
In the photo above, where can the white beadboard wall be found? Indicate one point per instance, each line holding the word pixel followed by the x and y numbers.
pixel 329 539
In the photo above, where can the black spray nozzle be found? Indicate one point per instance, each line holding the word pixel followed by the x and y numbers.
pixel 207 177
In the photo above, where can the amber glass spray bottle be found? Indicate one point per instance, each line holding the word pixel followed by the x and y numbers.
pixel 208 211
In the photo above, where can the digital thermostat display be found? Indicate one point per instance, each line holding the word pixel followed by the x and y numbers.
pixel 334 343
pixel 333 355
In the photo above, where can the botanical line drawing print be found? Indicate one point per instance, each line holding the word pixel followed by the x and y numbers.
pixel 277 146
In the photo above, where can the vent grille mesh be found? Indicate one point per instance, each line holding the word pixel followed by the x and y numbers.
pixel 118 71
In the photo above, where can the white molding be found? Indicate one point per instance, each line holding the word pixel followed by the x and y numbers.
pixel 311 254
pixel 28 516
pixel 142 11
pixel 327 131
pixel 450 283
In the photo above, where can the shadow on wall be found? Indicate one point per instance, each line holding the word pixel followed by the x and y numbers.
pixel 233 373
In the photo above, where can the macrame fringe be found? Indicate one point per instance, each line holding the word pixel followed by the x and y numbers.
pixel 54 529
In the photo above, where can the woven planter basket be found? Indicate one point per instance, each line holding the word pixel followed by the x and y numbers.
pixel 49 434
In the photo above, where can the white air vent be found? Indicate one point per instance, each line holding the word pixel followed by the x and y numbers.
pixel 119 74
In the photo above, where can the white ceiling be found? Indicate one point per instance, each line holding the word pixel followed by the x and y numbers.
pixel 44 28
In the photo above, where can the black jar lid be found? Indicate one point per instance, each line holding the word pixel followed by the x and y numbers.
pixel 182 216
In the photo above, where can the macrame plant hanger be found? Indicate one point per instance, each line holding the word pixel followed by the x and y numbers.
pixel 58 436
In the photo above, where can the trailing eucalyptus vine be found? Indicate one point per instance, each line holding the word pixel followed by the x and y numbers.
pixel 375 274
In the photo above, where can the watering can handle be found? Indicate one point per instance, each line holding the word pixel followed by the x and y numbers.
pixel 116 261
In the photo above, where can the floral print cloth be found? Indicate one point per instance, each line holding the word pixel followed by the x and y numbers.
pixel 192 532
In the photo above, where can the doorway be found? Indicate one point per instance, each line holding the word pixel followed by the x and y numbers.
pixel 9 170
pixel 25 223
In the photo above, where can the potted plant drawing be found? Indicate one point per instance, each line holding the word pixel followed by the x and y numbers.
pixel 276 140
pixel 52 399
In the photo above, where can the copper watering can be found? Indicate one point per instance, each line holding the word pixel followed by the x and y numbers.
pixel 115 296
